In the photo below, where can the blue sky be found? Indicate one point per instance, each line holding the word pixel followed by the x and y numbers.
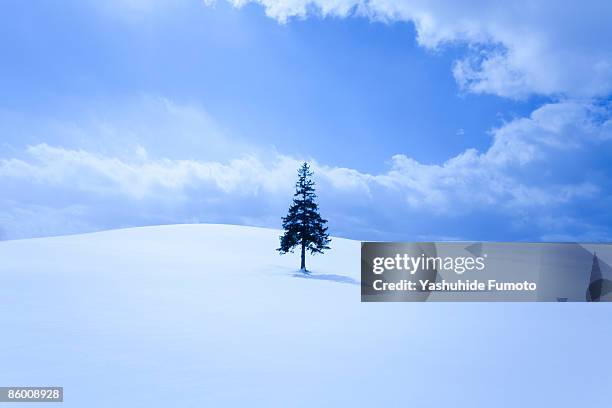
pixel 423 120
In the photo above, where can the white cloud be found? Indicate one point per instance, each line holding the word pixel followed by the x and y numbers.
pixel 522 150
pixel 524 170
pixel 516 49
pixel 142 177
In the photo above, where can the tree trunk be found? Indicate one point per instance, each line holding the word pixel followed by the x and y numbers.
pixel 303 264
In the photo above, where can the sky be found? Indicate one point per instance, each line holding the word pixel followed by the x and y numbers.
pixel 422 120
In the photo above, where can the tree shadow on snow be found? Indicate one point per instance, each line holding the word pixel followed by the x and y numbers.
pixel 327 277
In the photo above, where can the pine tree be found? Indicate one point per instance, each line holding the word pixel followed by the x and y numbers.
pixel 303 224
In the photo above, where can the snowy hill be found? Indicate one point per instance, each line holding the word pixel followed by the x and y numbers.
pixel 211 315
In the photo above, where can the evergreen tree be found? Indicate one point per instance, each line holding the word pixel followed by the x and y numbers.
pixel 303 224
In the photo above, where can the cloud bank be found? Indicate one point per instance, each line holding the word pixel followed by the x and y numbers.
pixel 515 49
pixel 524 171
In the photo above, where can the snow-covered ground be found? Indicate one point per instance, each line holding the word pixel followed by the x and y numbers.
pixel 211 316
